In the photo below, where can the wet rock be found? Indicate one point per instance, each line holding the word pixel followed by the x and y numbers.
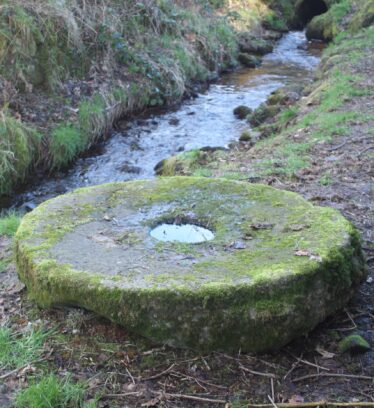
pixel 354 344
pixel 283 97
pixel 253 45
pixel 28 206
pixel 263 113
pixel 272 35
pixel 129 168
pixel 242 111
pixel 174 121
pixel 321 28
pixel 248 60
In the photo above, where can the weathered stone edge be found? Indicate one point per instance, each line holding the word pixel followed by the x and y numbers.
pixel 255 318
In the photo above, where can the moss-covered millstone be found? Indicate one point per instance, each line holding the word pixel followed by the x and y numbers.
pixel 276 267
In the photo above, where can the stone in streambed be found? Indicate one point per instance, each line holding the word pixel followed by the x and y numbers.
pixel 249 60
pixel 242 111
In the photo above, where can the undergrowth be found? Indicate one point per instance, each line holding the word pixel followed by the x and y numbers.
pixel 53 392
pixel 19 350
pixel 19 146
pixel 9 223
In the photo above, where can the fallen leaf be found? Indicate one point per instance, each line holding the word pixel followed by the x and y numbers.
pixel 296 399
pixel 324 353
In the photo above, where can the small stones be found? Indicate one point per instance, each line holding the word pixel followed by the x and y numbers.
pixel 354 344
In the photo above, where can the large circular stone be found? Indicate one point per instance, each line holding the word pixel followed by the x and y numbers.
pixel 276 266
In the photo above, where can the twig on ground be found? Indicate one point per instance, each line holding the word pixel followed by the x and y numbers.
pixel 364 151
pixel 130 375
pixel 154 377
pixel 309 363
pixel 179 375
pixel 332 149
pixel 192 398
pixel 247 370
pixel 294 365
pixel 272 390
pixel 313 404
pixel 126 394
pixel 306 377
pixel 273 404
pixel 17 370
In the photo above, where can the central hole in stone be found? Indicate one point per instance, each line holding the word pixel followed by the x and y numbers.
pixel 188 233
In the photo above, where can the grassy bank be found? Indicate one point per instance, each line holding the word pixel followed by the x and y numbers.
pixel 284 143
pixel 70 69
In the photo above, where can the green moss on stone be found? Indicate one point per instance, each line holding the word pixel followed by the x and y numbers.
pixel 217 295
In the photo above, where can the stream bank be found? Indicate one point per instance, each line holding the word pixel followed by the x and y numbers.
pixel 136 147
pixel 70 70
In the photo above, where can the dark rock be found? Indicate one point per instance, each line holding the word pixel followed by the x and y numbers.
pixel 28 206
pixel 263 113
pixel 241 111
pixel 248 60
pixel 129 168
pixel 174 121
pixel 283 97
pixel 253 45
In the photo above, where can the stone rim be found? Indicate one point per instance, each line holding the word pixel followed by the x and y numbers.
pixel 50 283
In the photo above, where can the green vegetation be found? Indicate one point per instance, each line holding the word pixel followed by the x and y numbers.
pixel 18 151
pixel 53 392
pixel 133 54
pixel 9 224
pixel 327 25
pixel 19 350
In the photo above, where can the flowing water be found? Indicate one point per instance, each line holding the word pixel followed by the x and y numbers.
pixel 208 120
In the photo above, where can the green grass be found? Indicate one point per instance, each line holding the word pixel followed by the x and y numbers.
pixel 19 350
pixel 9 224
pixel 325 180
pixel 4 263
pixel 52 392
pixel 19 145
pixel 66 143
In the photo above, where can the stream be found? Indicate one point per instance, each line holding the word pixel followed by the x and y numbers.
pixel 208 120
